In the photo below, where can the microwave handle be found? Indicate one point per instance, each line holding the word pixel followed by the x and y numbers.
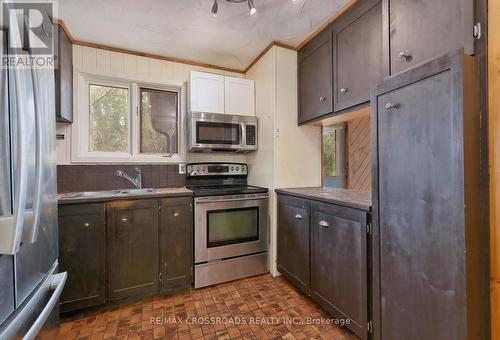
pixel 243 135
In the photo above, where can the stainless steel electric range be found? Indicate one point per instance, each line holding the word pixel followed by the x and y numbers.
pixel 231 223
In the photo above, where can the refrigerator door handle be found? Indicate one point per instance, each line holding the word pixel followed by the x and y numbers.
pixel 28 316
pixel 30 234
pixel 57 285
pixel 11 227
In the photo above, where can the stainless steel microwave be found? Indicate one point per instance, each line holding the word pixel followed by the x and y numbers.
pixel 222 132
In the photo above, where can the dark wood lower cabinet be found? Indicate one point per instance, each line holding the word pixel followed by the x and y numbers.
pixel 339 270
pixel 323 251
pixel 293 233
pixel 132 243
pixel 82 246
pixel 124 249
pixel 176 243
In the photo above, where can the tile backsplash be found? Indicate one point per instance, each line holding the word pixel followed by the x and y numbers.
pixel 103 177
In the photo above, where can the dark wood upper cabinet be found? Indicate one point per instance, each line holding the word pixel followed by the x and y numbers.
pixel 293 240
pixel 132 248
pixel 357 54
pixel 420 30
pixel 432 268
pixel 176 242
pixel 315 77
pixel 339 281
pixel 82 237
pixel 64 77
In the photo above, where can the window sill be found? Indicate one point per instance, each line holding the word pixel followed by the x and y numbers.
pixel 175 159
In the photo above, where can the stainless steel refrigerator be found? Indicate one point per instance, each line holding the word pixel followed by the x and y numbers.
pixel 30 284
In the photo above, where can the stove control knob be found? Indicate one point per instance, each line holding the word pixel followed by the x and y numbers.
pixel 237 168
pixel 232 168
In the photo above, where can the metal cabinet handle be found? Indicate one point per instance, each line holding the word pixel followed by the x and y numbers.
pixel 176 214
pixel 323 224
pixel 403 55
pixel 344 90
pixel 86 224
pixel 322 99
pixel 298 216
pixel 390 106
pixel 124 219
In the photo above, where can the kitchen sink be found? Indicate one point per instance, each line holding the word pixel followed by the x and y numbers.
pixel 109 193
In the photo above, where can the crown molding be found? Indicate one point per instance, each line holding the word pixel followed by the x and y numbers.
pixel 75 41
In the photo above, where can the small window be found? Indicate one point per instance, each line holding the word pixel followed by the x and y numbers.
pixel 119 120
pixel 109 111
pixel 333 157
pixel 159 121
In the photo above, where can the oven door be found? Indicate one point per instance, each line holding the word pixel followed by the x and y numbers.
pixel 229 226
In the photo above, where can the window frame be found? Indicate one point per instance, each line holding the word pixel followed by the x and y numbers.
pixel 150 156
pixel 80 128
pixel 341 161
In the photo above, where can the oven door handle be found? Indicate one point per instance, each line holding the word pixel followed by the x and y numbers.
pixel 222 199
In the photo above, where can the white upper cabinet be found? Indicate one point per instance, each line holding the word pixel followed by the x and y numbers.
pixel 207 92
pixel 216 93
pixel 239 96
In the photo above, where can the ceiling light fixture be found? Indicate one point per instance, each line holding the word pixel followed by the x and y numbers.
pixel 251 6
pixel 215 9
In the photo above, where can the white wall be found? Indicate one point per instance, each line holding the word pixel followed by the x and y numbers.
pixel 288 155
pixel 99 62
pixel 297 149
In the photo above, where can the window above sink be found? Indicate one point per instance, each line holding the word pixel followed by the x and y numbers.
pixel 120 120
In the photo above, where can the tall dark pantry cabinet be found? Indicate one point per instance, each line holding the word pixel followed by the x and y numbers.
pixel 430 268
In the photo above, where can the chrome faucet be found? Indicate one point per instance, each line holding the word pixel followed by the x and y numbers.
pixel 137 181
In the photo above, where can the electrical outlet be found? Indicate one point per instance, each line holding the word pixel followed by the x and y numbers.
pixel 182 168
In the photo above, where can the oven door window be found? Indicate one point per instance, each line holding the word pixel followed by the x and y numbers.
pixel 232 226
pixel 217 133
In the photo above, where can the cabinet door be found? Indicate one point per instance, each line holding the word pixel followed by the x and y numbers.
pixel 422 30
pixel 82 235
pixel 293 240
pixel 339 263
pixel 315 78
pixel 421 202
pixel 132 238
pixel 64 78
pixel 239 96
pixel 176 242
pixel 357 49
pixel 207 92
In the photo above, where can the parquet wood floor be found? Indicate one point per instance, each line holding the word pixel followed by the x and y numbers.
pixel 260 307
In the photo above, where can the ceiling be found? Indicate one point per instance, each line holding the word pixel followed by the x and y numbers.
pixel 185 29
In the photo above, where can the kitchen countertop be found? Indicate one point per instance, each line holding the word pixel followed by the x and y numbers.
pixel 346 197
pixel 158 193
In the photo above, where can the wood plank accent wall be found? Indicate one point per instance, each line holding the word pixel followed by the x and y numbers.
pixel 494 146
pixel 358 150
